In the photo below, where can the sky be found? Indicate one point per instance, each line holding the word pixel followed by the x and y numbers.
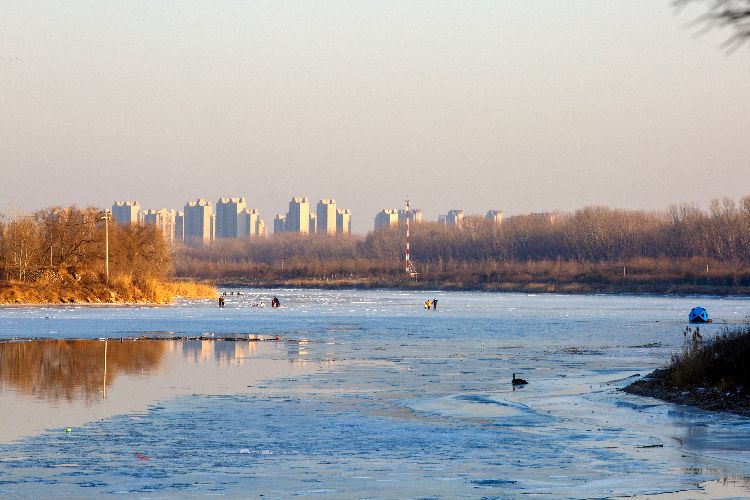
pixel 517 105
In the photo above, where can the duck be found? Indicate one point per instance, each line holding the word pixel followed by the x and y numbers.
pixel 518 381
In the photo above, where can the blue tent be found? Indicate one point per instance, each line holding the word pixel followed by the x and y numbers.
pixel 698 315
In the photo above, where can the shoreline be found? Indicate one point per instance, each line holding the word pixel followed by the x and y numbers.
pixel 658 385
pixel 536 288
pixel 98 294
pixel 420 287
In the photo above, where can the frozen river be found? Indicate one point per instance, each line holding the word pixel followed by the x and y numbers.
pixel 364 394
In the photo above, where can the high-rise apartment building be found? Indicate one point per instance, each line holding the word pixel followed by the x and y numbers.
pixel 165 220
pixel 229 218
pixel 326 214
pixel 494 216
pixel 126 212
pixel 344 221
pixel 313 224
pixel 298 216
pixel 386 218
pixel 279 224
pixel 199 222
pixel 179 226
pixel 251 225
pixel 454 218
pixel 414 216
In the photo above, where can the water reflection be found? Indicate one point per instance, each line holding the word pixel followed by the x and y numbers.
pixel 65 383
pixel 297 351
pixel 73 369
pixel 225 353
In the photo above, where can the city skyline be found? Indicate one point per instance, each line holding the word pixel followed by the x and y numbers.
pixel 532 107
pixel 201 222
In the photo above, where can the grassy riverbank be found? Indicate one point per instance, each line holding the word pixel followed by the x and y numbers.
pixel 119 291
pixel 711 374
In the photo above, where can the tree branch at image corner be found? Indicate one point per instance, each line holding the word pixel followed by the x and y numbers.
pixel 733 14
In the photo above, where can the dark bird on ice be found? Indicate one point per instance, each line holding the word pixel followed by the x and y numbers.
pixel 518 381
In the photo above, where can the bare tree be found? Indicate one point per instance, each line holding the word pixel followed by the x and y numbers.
pixel 733 14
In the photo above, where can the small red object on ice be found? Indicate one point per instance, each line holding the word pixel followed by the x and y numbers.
pixel 142 457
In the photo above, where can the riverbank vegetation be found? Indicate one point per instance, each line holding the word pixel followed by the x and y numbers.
pixel 679 250
pixel 57 255
pixel 711 373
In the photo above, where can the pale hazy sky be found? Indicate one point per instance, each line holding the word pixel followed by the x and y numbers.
pixel 519 105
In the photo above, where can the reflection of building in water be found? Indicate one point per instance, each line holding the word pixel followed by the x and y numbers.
pixel 298 352
pixel 225 353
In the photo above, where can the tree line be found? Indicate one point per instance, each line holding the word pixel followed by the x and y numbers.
pixel 68 243
pixel 593 243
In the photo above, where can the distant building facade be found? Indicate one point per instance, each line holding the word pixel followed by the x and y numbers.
pixel 387 218
pixel 543 217
pixel 549 217
pixel 251 225
pixel 165 220
pixel 126 212
pixel 229 217
pixel 298 216
pixel 326 216
pixel 313 224
pixel 454 218
pixel 343 221
pixel 494 216
pixel 414 216
pixel 279 224
pixel 179 226
pixel 199 222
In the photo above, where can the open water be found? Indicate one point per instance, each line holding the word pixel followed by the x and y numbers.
pixel 364 394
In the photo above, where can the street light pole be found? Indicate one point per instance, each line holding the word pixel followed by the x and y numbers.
pixel 106 217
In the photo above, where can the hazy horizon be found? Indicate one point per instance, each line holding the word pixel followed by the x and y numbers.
pixel 518 106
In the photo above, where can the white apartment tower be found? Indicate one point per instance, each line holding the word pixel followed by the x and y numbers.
pixel 386 218
pixel 327 216
pixel 126 212
pixel 229 217
pixel 454 218
pixel 298 217
pixel 494 216
pixel 165 220
pixel 414 216
pixel 251 225
pixel 313 224
pixel 179 226
pixel 343 221
pixel 199 222
pixel 279 224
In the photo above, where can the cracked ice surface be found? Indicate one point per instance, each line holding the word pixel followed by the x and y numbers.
pixel 366 394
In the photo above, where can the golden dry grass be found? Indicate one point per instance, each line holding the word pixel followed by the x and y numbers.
pixel 122 289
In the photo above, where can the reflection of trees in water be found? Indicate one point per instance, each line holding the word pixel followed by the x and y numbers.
pixel 72 369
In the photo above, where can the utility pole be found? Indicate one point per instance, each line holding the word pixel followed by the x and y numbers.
pixel 106 218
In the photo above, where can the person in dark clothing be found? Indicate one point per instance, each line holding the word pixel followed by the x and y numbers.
pixel 275 302
pixel 434 304
pixel 221 301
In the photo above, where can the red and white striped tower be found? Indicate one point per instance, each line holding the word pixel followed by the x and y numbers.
pixel 409 268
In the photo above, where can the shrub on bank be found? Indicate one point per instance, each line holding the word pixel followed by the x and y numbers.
pixel 720 363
